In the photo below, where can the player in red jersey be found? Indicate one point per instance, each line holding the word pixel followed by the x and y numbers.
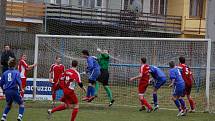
pixel 143 84
pixel 188 78
pixel 67 83
pixel 23 67
pixel 54 73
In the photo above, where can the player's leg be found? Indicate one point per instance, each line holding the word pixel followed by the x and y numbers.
pixel 177 104
pixel 190 99
pixel 19 101
pixel 160 82
pixel 178 92
pixel 91 88
pixel 23 86
pixel 9 99
pixel 96 88
pixel 155 98
pixel 54 89
pixel 60 107
pixel 144 103
pixel 105 80
pixel 192 103
pixel 97 83
pixel 75 107
pixel 142 88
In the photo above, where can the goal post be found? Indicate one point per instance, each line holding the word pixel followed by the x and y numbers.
pixel 125 54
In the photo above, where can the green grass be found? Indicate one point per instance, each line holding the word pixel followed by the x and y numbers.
pixel 36 111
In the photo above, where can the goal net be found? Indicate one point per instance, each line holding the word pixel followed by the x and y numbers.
pixel 125 59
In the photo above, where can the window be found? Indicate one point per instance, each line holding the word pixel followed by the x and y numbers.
pixel 99 3
pixel 137 3
pixel 80 2
pixel 50 1
pixel 196 8
pixel 158 7
pixel 16 0
pixel 126 4
pixel 89 3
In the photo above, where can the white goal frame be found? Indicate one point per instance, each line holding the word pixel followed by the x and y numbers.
pixel 208 67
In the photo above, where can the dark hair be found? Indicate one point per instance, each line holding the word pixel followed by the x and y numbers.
pixel 182 59
pixel 74 63
pixel 85 52
pixel 57 57
pixel 6 45
pixel 12 62
pixel 171 64
pixel 143 59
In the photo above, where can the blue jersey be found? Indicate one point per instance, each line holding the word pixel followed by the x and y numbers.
pixel 175 74
pixel 157 73
pixel 92 65
pixel 11 80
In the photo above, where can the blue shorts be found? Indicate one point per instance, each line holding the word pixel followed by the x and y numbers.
pixel 160 82
pixel 13 96
pixel 178 90
pixel 94 75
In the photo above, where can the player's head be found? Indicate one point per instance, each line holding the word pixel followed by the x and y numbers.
pixel 181 60
pixel 85 53
pixel 6 47
pixel 11 63
pixel 171 64
pixel 74 63
pixel 24 56
pixel 143 60
pixel 58 59
pixel 106 51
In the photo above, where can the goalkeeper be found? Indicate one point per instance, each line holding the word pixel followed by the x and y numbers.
pixel 103 59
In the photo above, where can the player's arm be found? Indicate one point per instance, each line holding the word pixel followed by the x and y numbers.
pixel 26 66
pixel 51 73
pixel 30 67
pixel 135 78
pixel 2 81
pixel 172 78
pixel 172 82
pixel 80 84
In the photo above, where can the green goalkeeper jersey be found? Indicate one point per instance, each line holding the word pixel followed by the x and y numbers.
pixel 103 60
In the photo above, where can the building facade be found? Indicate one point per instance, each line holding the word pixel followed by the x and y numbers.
pixel 153 18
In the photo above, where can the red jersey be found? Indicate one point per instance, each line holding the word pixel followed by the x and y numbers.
pixel 186 74
pixel 22 67
pixel 68 80
pixel 56 70
pixel 144 70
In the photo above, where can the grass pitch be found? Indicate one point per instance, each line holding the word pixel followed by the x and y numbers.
pixel 37 111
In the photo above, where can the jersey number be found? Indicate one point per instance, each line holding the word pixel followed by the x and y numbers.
pixel 9 78
pixel 179 73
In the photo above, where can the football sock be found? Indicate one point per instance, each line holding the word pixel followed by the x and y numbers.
pixel 109 93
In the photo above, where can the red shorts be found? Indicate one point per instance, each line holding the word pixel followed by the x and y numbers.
pixel 23 82
pixel 142 88
pixel 70 98
pixel 188 89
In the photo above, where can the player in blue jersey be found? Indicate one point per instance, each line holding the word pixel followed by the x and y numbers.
pixel 178 85
pixel 93 71
pixel 11 85
pixel 159 80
